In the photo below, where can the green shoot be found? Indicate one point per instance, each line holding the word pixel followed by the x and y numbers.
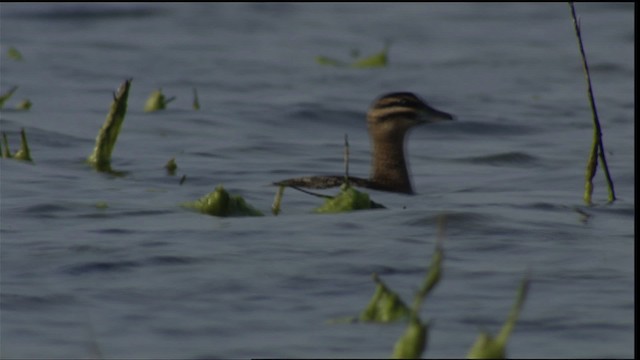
pixel 488 347
pixel 413 342
pixel 100 158
pixel 385 305
pixel 157 101
pixel 23 154
pixel 4 97
pixel 196 102
pixel 275 208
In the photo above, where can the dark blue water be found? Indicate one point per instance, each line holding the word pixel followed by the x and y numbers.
pixel 145 278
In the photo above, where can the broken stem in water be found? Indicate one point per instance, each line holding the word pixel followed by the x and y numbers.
pixel 597 147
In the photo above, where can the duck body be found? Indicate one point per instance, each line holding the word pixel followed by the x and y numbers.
pixel 389 120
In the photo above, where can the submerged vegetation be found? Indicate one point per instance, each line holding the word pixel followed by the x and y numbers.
pixel 377 60
pixel 14 54
pixel 196 102
pixel 220 203
pixel 171 166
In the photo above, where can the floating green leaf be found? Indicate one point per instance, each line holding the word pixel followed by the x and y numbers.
pixel 488 347
pixel 6 151
pixel 349 199
pixel 100 159
pixel 102 205
pixel 379 59
pixel 157 101
pixel 221 203
pixel 4 97
pixel 413 342
pixel 14 54
pixel 24 105
pixel 323 60
pixel 376 60
pixel 171 166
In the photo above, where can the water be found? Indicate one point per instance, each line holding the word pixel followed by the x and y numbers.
pixel 145 278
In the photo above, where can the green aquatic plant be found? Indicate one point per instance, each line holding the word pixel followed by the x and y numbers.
pixel 413 341
pixel 171 166
pixel 349 199
pixel 102 205
pixel 100 158
pixel 157 101
pixel 4 97
pixel 323 60
pixel 275 207
pixel 221 203
pixel 14 54
pixel 6 152
pixel 385 305
pixel 24 105
pixel 597 145
pixel 377 60
pixel 490 347
pixel 196 102
pixel 24 154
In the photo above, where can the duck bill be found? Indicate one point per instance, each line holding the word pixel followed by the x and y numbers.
pixel 430 115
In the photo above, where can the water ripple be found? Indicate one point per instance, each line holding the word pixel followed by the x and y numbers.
pixel 512 158
pixel 100 267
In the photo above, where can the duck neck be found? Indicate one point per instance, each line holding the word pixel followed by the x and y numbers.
pixel 388 164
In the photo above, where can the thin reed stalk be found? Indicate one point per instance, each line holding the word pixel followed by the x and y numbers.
pixel 597 147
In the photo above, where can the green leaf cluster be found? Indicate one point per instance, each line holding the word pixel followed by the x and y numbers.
pixel 385 305
pixel 221 203
pixel 349 199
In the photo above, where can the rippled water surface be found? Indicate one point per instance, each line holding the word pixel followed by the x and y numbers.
pixel 146 278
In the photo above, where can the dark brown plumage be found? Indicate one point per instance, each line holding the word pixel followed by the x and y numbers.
pixel 389 119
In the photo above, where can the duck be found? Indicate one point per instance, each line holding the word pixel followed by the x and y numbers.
pixel 389 120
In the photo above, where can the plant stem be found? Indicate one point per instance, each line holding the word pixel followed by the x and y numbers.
pixel 598 145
